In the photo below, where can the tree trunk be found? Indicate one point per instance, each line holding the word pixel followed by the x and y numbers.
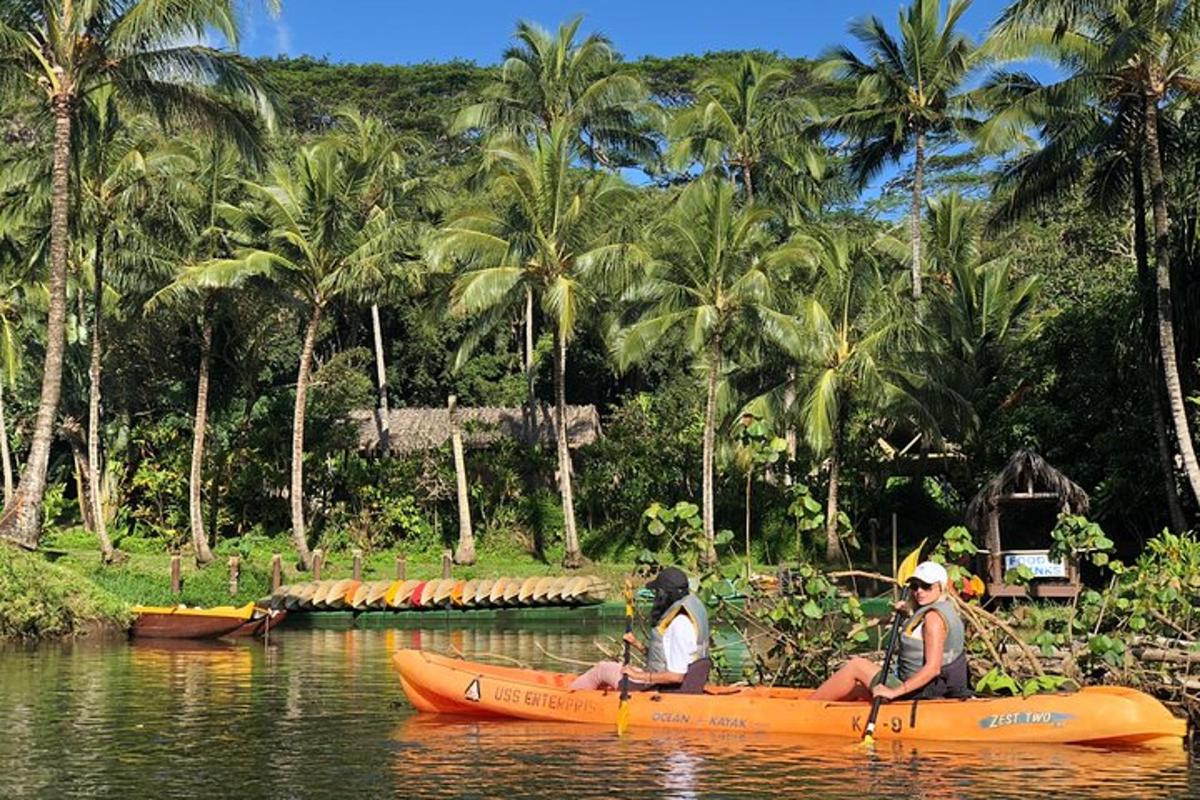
pixel 710 436
pixel 749 486
pixel 918 201
pixel 1166 458
pixel 299 534
pixel 94 465
pixel 5 454
pixel 382 420
pixel 1166 322
pixel 747 180
pixel 531 430
pixel 22 520
pixel 789 401
pixel 833 549
pixel 199 431
pixel 573 557
pixel 464 553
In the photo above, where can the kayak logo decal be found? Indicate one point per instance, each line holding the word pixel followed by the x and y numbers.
pixel 1054 719
pixel 473 692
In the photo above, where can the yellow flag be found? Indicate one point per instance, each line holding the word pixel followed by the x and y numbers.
pixel 909 565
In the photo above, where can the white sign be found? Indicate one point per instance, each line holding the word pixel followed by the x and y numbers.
pixel 1038 561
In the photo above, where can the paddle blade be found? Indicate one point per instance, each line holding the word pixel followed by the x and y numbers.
pixel 623 718
pixel 909 565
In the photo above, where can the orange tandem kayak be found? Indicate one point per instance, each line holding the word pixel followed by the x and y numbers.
pixel 1094 715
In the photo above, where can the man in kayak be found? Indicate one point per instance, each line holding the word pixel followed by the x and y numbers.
pixel 678 640
pixel 931 658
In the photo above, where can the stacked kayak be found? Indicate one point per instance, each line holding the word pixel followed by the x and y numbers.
pixel 418 595
pixel 1108 715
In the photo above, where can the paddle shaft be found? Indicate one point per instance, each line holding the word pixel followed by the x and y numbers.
pixel 877 702
pixel 625 660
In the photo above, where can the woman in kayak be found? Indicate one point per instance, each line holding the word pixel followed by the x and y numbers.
pixel 931 661
pixel 678 639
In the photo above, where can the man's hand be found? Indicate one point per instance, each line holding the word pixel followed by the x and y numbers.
pixel 633 642
pixel 636 674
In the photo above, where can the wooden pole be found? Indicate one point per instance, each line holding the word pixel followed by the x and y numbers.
pixel 318 561
pixel 357 574
pixel 233 574
pixel 276 572
pixel 401 567
pixel 447 560
pixel 464 553
pixel 895 556
pixel 176 581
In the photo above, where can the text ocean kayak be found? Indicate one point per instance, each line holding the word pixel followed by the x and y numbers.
pixel 1094 715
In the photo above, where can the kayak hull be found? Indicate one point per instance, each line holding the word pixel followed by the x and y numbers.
pixel 1112 716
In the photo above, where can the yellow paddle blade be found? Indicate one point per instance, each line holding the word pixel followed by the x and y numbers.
pixel 909 565
pixel 622 717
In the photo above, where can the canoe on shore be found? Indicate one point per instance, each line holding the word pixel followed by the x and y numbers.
pixel 1101 715
pixel 179 622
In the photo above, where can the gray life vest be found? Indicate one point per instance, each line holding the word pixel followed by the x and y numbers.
pixel 911 652
pixel 656 656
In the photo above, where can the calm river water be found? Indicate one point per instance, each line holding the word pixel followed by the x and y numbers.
pixel 319 714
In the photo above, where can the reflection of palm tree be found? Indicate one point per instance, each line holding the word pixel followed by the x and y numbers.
pixel 714 283
pixel 68 51
pixel 1124 59
pixel 548 235
pixel 909 96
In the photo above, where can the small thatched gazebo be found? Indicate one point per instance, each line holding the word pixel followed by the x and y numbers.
pixel 412 430
pixel 1014 514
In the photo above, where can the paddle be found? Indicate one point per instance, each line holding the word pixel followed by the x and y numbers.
pixel 623 708
pixel 903 573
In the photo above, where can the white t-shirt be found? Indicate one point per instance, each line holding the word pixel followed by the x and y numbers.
pixel 679 644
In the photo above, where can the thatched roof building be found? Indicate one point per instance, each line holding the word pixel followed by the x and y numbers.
pixel 1015 512
pixel 415 429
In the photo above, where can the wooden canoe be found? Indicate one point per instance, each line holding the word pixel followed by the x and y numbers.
pixel 466 595
pixel 378 591
pixel 541 589
pixel 304 599
pixel 593 592
pixel 457 592
pixel 263 620
pixel 403 596
pixel 429 592
pixel 179 622
pixel 358 598
pixel 418 591
pixel 512 590
pixel 482 590
pixel 317 600
pixel 1098 715
pixel 445 591
pixel 337 593
pixel 525 594
pixel 554 593
pixel 573 588
pixel 496 595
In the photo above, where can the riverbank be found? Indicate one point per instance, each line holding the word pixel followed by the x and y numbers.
pixel 40 599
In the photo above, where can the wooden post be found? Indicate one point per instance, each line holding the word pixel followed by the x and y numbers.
pixel 318 560
pixel 276 572
pixel 895 557
pixel 176 582
pixel 447 560
pixel 401 567
pixel 233 574
pixel 357 574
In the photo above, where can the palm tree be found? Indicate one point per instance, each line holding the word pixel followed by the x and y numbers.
pixel 307 232
pixel 743 124
pixel 10 364
pixel 1125 59
pixel 846 333
pixel 714 281
pixel 64 51
pixel 548 236
pixel 910 96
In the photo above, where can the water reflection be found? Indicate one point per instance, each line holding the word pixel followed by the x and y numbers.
pixel 319 714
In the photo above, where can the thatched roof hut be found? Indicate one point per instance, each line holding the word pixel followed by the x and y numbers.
pixel 1021 505
pixel 1026 476
pixel 416 429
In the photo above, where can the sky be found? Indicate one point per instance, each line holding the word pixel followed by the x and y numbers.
pixel 415 31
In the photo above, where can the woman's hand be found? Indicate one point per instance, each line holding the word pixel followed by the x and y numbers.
pixel 636 674
pixel 885 692
pixel 901 607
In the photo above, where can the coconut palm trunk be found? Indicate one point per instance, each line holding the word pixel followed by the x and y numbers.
pixel 464 553
pixel 299 534
pixel 1162 269
pixel 382 421
pixel 833 548
pixel 95 368
pixel 573 557
pixel 22 520
pixel 199 432
pixel 531 432
pixel 709 447
pixel 1166 458
pixel 5 454
pixel 918 199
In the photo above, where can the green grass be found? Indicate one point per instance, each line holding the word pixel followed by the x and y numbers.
pixel 41 599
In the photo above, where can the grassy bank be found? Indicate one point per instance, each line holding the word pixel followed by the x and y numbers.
pixel 42 599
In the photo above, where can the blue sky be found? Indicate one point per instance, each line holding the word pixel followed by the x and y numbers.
pixel 411 31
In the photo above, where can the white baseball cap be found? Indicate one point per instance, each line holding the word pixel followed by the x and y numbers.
pixel 931 572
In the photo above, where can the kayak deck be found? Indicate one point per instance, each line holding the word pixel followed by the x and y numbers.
pixel 1095 715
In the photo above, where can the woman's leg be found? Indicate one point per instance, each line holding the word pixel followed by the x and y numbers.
pixel 605 675
pixel 851 682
